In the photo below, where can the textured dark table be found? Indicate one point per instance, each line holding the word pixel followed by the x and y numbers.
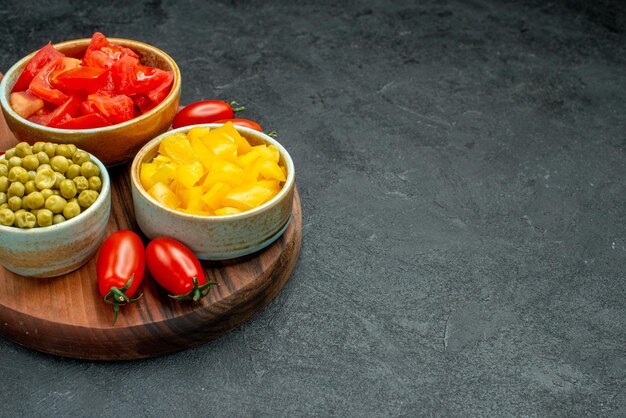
pixel 463 177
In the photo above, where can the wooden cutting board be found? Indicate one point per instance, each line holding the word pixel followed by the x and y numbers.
pixel 66 316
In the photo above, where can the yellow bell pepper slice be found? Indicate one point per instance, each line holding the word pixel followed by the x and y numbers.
pixel 246 196
pixel 189 174
pixel 164 195
pixel 145 174
pixel 213 197
pixel 227 211
pixel 177 147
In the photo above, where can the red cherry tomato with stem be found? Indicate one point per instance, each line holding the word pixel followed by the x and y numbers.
pixel 177 269
pixel 206 111
pixel 120 268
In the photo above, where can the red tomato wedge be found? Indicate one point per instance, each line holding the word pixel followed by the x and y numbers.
pixel 41 84
pixel 242 122
pixel 68 110
pixel 93 120
pixel 102 53
pixel 130 77
pixel 82 79
pixel 41 58
pixel 115 109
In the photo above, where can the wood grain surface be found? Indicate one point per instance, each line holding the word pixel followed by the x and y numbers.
pixel 66 315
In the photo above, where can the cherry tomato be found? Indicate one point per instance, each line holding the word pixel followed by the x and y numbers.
pixel 247 123
pixel 206 111
pixel 41 58
pixel 120 268
pixel 177 269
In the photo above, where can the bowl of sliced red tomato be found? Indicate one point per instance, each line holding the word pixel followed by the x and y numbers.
pixel 108 96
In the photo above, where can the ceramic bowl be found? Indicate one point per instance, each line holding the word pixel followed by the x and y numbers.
pixel 215 237
pixel 111 144
pixel 58 249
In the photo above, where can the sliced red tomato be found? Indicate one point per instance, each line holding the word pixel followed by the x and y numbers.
pixel 25 103
pixel 41 58
pixel 68 110
pixel 130 77
pixel 242 122
pixel 82 79
pixel 41 85
pixel 142 103
pixel 115 109
pixel 42 117
pixel 93 120
pixel 159 93
pixel 102 53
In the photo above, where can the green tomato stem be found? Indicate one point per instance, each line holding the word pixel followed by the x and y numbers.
pixel 197 293
pixel 117 297
pixel 238 108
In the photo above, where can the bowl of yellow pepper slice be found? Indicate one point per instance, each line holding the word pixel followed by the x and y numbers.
pixel 223 190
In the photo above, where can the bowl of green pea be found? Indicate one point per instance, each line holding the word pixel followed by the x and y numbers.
pixel 55 202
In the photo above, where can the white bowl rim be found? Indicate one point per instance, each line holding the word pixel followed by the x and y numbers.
pixel 7 107
pixel 104 191
pixel 289 183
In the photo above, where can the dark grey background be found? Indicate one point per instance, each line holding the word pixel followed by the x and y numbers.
pixel 462 173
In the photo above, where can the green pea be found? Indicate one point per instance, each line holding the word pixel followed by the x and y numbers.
pixel 72 200
pixel 25 219
pixel 3 198
pixel 18 174
pixel 43 167
pixel 4 184
pixel 38 147
pixel 67 188
pixel 64 150
pixel 58 179
pixel 50 149
pixel 7 217
pixel 23 149
pixel 4 161
pixel 4 206
pixel 43 157
pixel 72 171
pixel 30 187
pixel 34 200
pixel 10 153
pixel 71 210
pixel 72 148
pixel 56 192
pixel 4 169
pixel 32 174
pixel 81 183
pixel 46 193
pixel 57 219
pixel 81 157
pixel 44 217
pixel 95 183
pixel 55 203
pixel 86 198
pixel 15 161
pixel 60 163
pixel 16 189
pixel 89 169
pixel 30 162
pixel 15 203
pixel 45 179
